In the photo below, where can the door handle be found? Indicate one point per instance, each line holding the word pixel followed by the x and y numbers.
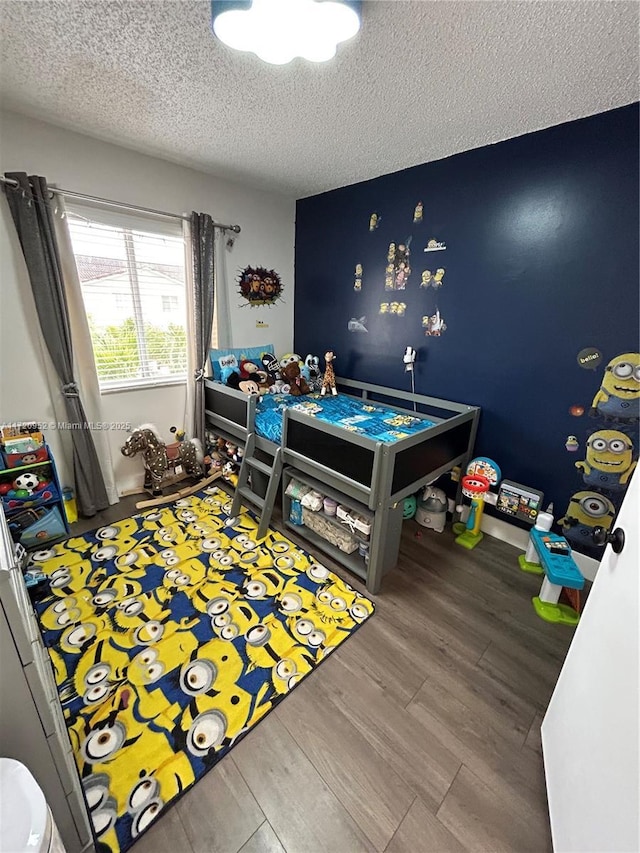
pixel 615 539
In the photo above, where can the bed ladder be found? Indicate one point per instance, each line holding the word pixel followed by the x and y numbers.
pixel 244 490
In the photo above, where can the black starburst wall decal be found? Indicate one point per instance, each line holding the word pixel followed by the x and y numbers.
pixel 260 286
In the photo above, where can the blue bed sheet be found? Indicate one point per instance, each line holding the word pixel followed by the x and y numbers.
pixel 373 420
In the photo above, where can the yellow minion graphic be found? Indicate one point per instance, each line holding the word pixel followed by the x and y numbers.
pixel 289 670
pixel 263 583
pixel 171 634
pixel 437 278
pixel 66 611
pixel 608 463
pixel 230 619
pixel 267 643
pixel 100 669
pixel 586 510
pixel 338 604
pixel 154 519
pixel 619 394
pixel 155 788
pixel 170 536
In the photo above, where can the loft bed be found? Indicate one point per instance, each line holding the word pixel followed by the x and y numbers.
pixel 373 474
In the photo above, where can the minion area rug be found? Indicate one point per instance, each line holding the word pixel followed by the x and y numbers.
pixel 172 633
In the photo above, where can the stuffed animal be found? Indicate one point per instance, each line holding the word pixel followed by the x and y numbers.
pixel 249 386
pixel 311 372
pixel 329 380
pixel 297 383
pixel 250 370
pixel 271 365
pixel 230 473
pixel 290 358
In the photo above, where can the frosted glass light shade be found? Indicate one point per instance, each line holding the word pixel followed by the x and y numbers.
pixel 279 30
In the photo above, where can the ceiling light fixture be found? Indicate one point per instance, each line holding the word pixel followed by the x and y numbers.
pixel 279 30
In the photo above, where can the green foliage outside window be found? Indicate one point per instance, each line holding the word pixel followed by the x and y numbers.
pixel 116 350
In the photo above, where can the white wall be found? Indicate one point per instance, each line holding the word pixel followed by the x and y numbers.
pixel 82 164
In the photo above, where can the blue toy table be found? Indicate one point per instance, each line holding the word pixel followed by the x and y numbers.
pixel 560 570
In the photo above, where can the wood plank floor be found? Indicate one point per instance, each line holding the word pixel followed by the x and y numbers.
pixel 419 735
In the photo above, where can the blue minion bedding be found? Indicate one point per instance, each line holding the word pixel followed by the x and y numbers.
pixel 373 420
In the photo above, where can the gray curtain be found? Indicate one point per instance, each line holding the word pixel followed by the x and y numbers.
pixel 29 203
pixel 202 241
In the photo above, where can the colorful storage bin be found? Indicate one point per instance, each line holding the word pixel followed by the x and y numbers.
pixel 15 460
pixel 50 526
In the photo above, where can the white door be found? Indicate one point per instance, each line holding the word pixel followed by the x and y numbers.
pixel 590 732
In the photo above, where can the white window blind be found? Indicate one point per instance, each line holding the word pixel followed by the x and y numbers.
pixel 132 276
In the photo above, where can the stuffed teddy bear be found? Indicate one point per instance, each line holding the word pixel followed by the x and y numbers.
pixel 292 376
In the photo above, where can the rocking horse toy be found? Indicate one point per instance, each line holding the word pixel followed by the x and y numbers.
pixel 165 465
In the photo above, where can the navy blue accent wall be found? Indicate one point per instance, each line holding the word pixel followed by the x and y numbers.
pixel 541 262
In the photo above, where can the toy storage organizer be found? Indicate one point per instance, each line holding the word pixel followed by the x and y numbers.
pixel 346 535
pixel 35 514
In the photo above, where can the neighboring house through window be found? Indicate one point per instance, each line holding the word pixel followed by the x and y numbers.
pixel 169 303
pixel 132 275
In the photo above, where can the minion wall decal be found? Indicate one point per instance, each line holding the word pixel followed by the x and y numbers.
pixel 585 511
pixel 608 463
pixel 398 267
pixel 589 358
pixel 418 212
pixel 434 280
pixel 396 308
pixel 619 396
pixel 260 286
pixel 434 245
pixel 611 447
pixel 374 221
pixel 357 284
pixel 572 443
pixel 434 324
pixel 388 278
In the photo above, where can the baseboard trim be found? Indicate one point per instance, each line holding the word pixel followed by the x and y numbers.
pixel 513 535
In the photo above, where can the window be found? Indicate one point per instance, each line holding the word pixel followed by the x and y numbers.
pixel 169 303
pixel 132 275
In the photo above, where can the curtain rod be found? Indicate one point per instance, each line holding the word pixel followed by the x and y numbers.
pixel 108 202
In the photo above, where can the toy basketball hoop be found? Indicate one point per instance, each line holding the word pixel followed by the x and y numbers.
pixel 475 485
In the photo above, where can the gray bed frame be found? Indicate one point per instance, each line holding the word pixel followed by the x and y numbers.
pixel 371 473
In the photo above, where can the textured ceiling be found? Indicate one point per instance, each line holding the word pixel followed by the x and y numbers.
pixel 422 80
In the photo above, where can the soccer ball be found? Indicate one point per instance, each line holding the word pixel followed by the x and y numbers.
pixel 29 482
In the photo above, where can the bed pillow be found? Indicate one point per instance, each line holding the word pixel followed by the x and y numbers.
pixel 223 359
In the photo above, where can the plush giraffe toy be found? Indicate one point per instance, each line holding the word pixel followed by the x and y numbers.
pixel 329 380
